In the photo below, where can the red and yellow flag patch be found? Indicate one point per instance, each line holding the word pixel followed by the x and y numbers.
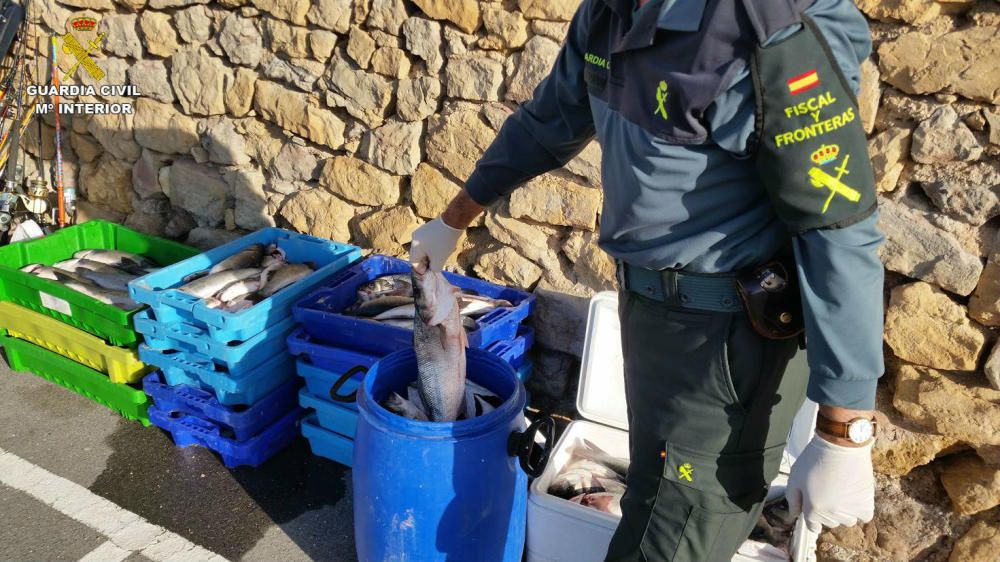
pixel 803 82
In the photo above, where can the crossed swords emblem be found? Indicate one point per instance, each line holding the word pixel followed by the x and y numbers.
pixel 73 47
pixel 820 179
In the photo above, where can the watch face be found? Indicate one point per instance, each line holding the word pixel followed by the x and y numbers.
pixel 860 431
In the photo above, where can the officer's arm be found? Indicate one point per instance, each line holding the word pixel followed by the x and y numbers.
pixel 841 273
pixel 544 133
pixel 842 277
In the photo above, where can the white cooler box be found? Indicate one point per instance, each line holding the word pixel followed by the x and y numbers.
pixel 562 531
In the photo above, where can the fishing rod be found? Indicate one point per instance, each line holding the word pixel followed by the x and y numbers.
pixel 65 199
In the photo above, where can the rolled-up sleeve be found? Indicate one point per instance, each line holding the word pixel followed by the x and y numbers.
pixel 544 133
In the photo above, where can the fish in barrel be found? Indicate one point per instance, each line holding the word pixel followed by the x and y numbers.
pixel 439 341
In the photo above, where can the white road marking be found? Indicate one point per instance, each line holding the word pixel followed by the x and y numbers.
pixel 107 552
pixel 127 532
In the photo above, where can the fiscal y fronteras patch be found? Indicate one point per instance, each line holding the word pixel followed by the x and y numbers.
pixel 811 151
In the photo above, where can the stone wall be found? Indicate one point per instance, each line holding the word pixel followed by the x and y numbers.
pixel 357 120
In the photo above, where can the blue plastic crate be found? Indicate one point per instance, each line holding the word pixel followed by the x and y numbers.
pixel 231 390
pixel 336 360
pixel 321 311
pixel 187 431
pixel 336 417
pixel 320 381
pixel 327 444
pixel 515 351
pixel 179 336
pixel 158 290
pixel 241 422
pixel 339 361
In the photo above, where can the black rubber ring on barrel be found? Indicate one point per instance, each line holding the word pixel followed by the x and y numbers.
pixel 522 445
pixel 352 397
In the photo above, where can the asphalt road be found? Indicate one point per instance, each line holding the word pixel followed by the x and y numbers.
pixel 294 507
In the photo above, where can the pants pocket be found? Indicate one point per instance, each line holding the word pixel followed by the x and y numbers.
pixel 706 503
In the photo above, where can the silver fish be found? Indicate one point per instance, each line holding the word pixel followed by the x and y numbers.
pixel 282 277
pixel 589 451
pixel 134 263
pixel 113 280
pixel 479 400
pixel 238 305
pixel 403 312
pixel 374 307
pixel 212 284
pixel 439 342
pixel 608 502
pixel 239 290
pixel 390 285
pixel 118 299
pixel 581 477
pixel 403 407
pixel 246 258
pixel 408 324
pixel 475 306
pixel 31 267
pixel 101 274
pixel 73 263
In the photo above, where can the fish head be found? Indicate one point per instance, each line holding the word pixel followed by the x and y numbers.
pixel 434 297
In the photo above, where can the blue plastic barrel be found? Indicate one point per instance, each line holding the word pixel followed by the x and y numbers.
pixel 438 491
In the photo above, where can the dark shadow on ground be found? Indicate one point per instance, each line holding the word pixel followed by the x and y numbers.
pixel 190 492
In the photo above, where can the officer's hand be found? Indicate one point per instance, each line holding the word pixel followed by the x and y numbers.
pixel 435 241
pixel 832 485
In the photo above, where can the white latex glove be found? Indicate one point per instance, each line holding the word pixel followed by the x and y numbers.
pixel 435 240
pixel 832 485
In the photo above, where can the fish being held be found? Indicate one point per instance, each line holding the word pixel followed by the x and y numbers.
pixel 439 342
pixel 246 258
pixel 211 284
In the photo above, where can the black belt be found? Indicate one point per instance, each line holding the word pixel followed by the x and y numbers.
pixel 715 293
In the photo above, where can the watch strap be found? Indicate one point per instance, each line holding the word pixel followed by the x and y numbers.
pixel 839 428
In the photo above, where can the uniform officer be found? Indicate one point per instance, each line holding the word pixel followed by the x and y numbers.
pixel 735 172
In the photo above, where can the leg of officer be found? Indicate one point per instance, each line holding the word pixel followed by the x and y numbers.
pixel 709 412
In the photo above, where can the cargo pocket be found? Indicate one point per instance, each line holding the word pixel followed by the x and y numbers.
pixel 706 503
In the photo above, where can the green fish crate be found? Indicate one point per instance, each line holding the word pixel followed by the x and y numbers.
pixel 105 321
pixel 130 402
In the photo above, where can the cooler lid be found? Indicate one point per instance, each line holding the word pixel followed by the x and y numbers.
pixel 601 395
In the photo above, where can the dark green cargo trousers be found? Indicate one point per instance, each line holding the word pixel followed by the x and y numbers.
pixel 709 410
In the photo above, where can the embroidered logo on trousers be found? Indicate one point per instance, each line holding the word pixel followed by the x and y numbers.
pixel 685 472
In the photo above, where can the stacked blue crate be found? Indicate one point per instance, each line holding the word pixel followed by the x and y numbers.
pixel 226 380
pixel 335 350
